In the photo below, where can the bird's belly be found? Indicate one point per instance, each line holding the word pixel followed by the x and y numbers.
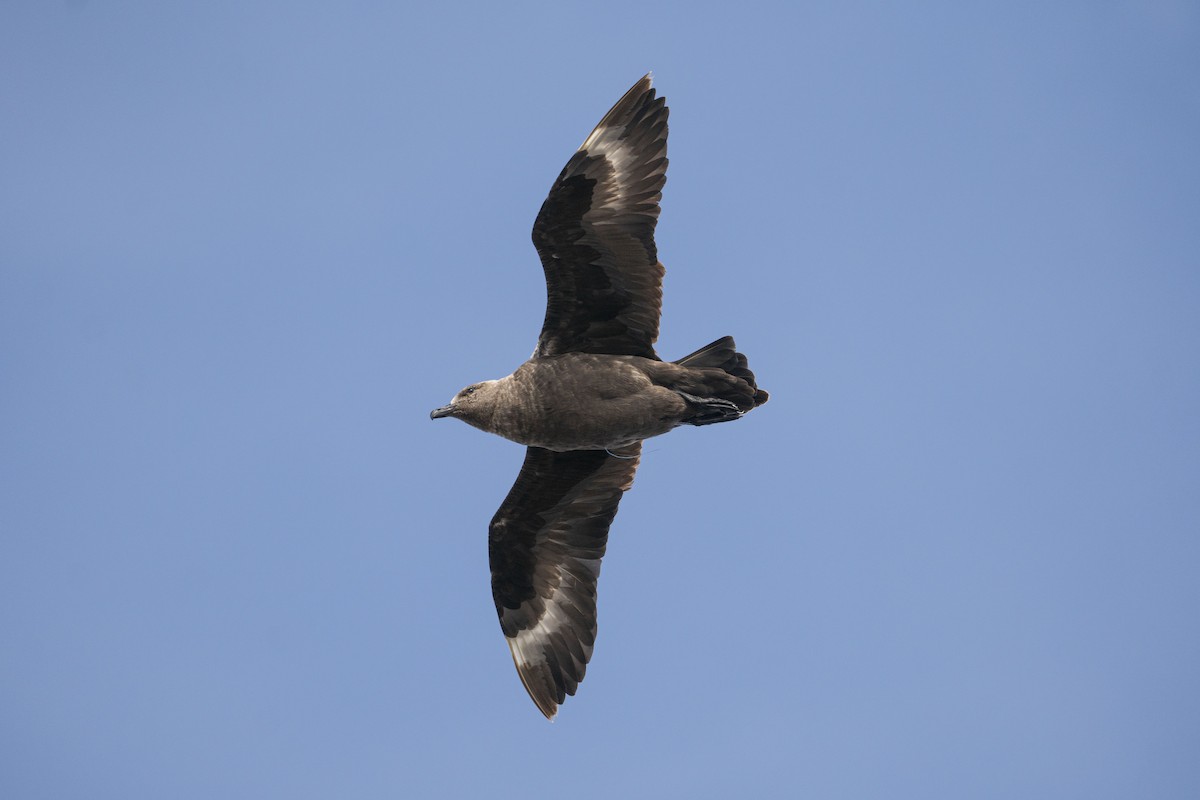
pixel 567 429
pixel 586 420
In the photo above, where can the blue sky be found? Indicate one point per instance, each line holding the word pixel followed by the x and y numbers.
pixel 245 248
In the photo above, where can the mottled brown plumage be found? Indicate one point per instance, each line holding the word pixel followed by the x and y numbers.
pixel 592 391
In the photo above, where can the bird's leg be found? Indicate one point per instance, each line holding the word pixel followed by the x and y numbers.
pixel 711 409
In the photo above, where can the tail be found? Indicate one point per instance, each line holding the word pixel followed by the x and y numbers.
pixel 718 396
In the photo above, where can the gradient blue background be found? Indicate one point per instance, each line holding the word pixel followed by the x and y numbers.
pixel 247 247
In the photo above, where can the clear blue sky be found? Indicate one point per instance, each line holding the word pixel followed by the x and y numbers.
pixel 245 248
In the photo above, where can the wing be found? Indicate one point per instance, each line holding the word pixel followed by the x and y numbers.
pixel 545 545
pixel 595 235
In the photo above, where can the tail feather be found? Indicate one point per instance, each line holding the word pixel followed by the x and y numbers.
pixel 723 355
pixel 713 354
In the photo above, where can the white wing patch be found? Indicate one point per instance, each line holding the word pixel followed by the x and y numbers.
pixel 530 648
pixel 609 142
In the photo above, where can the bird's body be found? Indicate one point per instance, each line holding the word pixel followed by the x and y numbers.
pixel 593 390
pixel 590 401
pixel 577 401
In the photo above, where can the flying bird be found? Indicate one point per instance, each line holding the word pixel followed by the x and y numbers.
pixel 592 391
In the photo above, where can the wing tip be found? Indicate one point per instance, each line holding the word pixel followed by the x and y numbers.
pixel 644 84
pixel 623 109
pixel 542 697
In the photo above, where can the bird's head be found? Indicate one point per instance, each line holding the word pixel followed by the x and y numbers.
pixel 471 405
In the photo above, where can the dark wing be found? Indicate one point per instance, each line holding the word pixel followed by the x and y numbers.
pixel 595 235
pixel 545 545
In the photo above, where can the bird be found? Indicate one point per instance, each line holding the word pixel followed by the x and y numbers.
pixel 591 393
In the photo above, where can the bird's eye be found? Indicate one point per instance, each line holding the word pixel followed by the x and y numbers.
pixel 468 390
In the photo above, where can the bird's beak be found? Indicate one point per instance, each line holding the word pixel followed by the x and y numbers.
pixel 444 411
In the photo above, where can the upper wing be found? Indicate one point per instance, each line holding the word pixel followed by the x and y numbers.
pixel 595 235
pixel 545 545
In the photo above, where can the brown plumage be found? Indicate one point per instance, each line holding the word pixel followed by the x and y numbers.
pixel 593 390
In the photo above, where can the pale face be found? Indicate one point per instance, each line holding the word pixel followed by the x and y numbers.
pixel 469 404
